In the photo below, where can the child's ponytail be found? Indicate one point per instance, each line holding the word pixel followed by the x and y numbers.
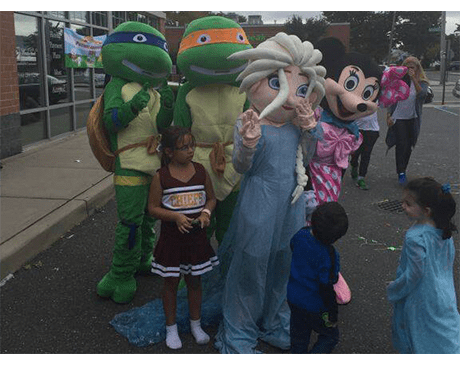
pixel 446 207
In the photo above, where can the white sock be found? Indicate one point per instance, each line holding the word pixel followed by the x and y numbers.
pixel 172 337
pixel 360 177
pixel 201 337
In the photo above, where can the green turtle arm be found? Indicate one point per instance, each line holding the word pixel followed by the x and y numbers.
pixel 117 113
pixel 182 116
pixel 165 115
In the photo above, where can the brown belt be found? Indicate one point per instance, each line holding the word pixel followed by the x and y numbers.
pixel 151 143
pixel 216 156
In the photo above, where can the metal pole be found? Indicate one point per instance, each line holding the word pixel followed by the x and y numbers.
pixel 109 21
pixel 443 54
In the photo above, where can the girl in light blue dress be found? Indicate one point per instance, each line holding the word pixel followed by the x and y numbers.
pixel 426 318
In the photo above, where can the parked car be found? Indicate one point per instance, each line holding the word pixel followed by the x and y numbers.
pixel 435 65
pixel 454 65
pixel 99 79
pixel 30 86
pixel 456 89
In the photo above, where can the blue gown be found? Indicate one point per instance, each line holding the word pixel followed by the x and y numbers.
pixel 255 250
pixel 425 318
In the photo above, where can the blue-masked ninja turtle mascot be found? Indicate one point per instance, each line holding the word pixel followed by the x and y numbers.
pixel 209 103
pixel 137 104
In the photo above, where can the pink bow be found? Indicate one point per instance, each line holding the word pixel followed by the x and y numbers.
pixel 394 89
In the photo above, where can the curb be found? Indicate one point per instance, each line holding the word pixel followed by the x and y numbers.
pixel 43 233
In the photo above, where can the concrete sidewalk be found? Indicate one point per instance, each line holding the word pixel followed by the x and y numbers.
pixel 45 191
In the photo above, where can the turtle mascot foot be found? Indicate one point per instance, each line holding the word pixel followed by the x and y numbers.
pixel 121 291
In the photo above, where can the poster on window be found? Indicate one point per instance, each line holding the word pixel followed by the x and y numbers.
pixel 82 51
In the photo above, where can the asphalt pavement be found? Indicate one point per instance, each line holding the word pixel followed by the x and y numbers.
pixel 58 218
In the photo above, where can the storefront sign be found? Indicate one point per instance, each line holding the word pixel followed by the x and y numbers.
pixel 82 51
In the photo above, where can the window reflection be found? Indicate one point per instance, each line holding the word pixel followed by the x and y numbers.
pixel 82 76
pixel 81 16
pixel 57 14
pixel 58 80
pixel 100 18
pixel 82 111
pixel 118 17
pixel 33 127
pixel 99 80
pixel 29 57
pixel 60 121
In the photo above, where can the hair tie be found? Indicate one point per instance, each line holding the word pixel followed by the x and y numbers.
pixel 446 188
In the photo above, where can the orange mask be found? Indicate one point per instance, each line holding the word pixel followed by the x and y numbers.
pixel 213 36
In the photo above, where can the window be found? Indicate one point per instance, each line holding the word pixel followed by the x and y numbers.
pixel 99 18
pixel 58 80
pixel 57 14
pixel 79 16
pixel 52 98
pixel 118 17
pixel 29 62
pixel 132 16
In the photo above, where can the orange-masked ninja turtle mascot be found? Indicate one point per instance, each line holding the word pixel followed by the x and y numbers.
pixel 209 103
pixel 137 103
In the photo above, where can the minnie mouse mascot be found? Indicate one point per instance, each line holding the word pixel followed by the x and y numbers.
pixel 352 85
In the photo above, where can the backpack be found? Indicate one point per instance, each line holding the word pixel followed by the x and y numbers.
pixel 98 136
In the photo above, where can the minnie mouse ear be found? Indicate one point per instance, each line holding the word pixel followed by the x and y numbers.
pixel 394 89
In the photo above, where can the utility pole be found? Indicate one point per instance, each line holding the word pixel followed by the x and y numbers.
pixel 391 37
pixel 110 21
pixel 443 48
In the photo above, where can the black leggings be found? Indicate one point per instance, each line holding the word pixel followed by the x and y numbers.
pixel 405 140
pixel 365 150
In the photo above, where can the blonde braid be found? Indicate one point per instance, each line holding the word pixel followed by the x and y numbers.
pixel 302 177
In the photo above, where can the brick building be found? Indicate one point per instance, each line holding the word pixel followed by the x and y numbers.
pixel 40 98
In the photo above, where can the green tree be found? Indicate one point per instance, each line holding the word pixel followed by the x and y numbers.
pixel 412 32
pixel 311 30
pixel 454 46
pixel 369 30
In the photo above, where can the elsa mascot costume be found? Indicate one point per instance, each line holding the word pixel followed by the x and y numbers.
pixel 273 142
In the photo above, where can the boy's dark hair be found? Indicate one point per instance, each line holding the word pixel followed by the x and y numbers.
pixel 428 193
pixel 329 222
pixel 170 137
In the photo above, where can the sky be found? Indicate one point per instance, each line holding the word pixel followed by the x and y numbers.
pixel 269 17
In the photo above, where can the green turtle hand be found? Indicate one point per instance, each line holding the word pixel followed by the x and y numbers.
pixel 141 99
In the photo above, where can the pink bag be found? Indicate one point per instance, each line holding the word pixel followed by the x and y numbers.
pixel 342 291
pixel 394 89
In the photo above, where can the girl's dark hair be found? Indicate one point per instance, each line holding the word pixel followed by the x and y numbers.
pixel 428 193
pixel 170 138
pixel 329 222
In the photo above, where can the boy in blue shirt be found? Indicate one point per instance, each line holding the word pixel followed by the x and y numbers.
pixel 314 270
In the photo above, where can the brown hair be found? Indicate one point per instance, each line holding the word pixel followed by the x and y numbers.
pixel 170 137
pixel 429 193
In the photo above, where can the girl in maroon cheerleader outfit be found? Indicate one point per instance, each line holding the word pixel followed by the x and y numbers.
pixel 181 195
